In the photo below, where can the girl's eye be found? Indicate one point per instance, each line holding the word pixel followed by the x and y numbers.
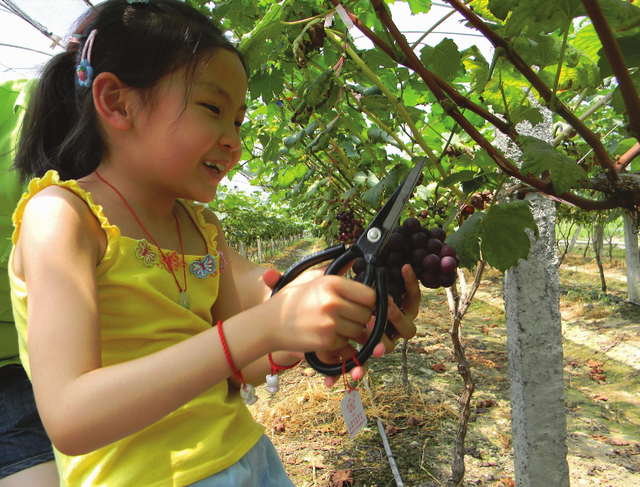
pixel 213 108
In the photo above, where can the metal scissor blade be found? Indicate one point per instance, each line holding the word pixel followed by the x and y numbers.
pixel 390 212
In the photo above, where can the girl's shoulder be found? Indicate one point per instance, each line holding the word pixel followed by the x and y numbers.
pixel 50 204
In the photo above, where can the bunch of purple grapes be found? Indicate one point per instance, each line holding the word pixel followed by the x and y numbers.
pixel 434 262
pixel 350 227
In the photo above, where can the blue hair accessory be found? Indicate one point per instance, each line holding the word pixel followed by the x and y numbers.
pixel 84 71
pixel 138 1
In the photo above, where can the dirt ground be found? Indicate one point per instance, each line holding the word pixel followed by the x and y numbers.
pixel 602 368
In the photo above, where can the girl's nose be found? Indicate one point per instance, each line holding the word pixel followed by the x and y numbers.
pixel 231 138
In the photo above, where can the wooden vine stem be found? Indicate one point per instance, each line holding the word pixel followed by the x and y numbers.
pixel 543 90
pixel 458 307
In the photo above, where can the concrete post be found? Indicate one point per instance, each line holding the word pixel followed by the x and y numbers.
pixel 534 343
pixel 633 260
pixel 534 346
pixel 259 251
pixel 574 239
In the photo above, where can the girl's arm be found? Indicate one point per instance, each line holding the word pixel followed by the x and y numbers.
pixel 249 278
pixel 85 406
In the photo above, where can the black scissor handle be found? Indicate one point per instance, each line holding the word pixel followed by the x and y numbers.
pixel 365 352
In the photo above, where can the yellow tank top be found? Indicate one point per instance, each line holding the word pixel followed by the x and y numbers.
pixel 139 315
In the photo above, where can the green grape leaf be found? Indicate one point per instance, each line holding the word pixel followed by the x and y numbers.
pixel 628 45
pixel 419 6
pixel 348 194
pixel 542 16
pixel 532 114
pixel 466 240
pixel 267 29
pixel 501 8
pixel 267 84
pixel 504 240
pixel 541 51
pixel 620 15
pixel 458 177
pixel 373 196
pixel 444 59
pixel 477 68
pixel 513 87
pixel 587 42
pixel 539 156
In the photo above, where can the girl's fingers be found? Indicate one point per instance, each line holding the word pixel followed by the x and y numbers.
pixel 411 298
pixel 404 326
pixel 356 292
pixel 271 278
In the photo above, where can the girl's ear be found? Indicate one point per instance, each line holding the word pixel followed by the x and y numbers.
pixel 114 101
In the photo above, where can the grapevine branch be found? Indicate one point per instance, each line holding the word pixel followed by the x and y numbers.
pixel 396 103
pixel 457 98
pixel 596 106
pixel 504 164
pixel 628 156
pixel 612 51
pixel 457 311
pixel 543 90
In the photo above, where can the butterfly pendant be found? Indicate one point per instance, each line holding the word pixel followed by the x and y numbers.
pixel 202 268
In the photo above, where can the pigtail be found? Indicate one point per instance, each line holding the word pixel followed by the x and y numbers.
pixel 59 130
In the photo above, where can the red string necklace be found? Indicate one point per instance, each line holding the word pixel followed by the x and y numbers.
pixel 184 299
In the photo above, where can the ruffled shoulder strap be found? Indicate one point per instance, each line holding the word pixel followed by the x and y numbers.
pixel 52 178
pixel 208 230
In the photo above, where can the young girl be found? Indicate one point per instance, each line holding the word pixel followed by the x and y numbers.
pixel 130 323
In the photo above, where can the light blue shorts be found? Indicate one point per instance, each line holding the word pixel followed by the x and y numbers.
pixel 260 467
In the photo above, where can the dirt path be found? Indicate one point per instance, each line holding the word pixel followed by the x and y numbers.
pixel 602 369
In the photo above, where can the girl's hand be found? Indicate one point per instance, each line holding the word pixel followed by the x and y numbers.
pixel 320 315
pixel 402 320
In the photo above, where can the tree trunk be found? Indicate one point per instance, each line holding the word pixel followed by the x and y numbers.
pixel 633 259
pixel 598 247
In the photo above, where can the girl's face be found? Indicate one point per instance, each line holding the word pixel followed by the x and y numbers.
pixel 188 150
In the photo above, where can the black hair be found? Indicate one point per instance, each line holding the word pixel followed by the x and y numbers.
pixel 139 43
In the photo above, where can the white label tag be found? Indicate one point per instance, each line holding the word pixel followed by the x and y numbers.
pixel 328 20
pixel 344 16
pixel 353 412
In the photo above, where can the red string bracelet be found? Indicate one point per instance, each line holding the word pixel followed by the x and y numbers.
pixel 273 382
pixel 347 384
pixel 247 391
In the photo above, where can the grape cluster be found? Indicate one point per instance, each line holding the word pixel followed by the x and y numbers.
pixel 434 262
pixel 436 215
pixel 350 227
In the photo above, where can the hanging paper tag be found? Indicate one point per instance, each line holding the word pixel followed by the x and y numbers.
pixel 328 20
pixel 353 412
pixel 344 16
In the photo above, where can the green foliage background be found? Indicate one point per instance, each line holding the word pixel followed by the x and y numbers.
pixel 333 127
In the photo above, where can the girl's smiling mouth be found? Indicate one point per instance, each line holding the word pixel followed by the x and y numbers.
pixel 215 166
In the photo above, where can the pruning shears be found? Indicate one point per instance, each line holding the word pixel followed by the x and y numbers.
pixel 368 246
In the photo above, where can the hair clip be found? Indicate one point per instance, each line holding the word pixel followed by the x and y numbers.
pixel 84 71
pixel 137 1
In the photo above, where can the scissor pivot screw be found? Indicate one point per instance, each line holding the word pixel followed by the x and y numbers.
pixel 374 235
